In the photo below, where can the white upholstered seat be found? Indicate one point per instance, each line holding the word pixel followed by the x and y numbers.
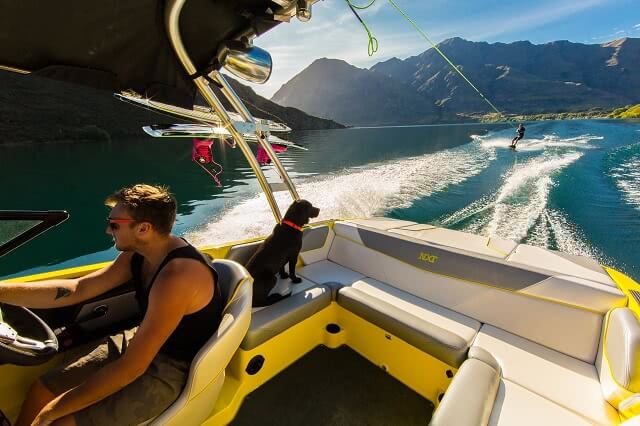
pixel 567 381
pixel 207 372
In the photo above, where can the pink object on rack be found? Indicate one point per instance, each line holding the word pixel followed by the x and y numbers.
pixel 201 152
pixel 202 155
pixel 262 156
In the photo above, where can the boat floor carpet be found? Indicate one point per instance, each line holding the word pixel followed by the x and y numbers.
pixel 333 387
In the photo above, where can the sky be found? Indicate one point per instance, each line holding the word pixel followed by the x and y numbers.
pixel 334 32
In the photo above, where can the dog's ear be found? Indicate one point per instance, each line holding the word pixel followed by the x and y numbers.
pixel 313 211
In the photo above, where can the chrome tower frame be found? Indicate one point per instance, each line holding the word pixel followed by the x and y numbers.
pixel 172 18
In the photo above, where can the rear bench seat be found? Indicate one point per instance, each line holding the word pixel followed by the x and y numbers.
pixel 489 289
pixel 507 379
pixel 510 380
pixel 530 372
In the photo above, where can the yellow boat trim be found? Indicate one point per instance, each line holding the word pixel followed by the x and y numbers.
pixel 625 284
pixel 74 272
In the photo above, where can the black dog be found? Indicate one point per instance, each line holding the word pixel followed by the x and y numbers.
pixel 282 246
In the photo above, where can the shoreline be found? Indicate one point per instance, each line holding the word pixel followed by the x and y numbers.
pixel 629 111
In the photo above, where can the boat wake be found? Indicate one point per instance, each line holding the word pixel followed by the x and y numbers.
pixel 625 172
pixel 540 144
pixel 518 204
pixel 519 208
pixel 358 192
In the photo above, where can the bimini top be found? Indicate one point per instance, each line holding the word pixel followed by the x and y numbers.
pixel 117 45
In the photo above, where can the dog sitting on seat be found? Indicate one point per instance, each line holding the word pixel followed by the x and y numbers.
pixel 282 246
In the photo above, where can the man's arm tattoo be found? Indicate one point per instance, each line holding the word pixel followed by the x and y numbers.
pixel 62 292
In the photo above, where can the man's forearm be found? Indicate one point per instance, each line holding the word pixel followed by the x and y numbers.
pixel 43 294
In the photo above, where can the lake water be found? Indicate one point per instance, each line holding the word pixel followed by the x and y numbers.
pixel 572 186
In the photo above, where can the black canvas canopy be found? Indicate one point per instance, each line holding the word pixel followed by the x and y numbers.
pixel 118 45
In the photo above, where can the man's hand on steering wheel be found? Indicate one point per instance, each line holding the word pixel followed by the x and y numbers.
pixel 21 350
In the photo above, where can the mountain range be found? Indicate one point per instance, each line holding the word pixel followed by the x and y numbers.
pixel 519 78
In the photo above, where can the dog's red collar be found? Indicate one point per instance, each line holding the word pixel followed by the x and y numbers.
pixel 291 224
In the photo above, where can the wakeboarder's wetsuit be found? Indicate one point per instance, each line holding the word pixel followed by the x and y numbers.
pixel 519 135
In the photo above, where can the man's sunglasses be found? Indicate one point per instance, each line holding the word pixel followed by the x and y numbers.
pixel 114 223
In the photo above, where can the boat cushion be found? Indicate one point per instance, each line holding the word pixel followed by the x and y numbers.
pixel 566 320
pixel 555 262
pixel 316 243
pixel 326 271
pixel 578 291
pixel 384 223
pixel 274 319
pixel 479 396
pixel 619 356
pixel 567 381
pixel 470 396
pixel 241 253
pixel 438 331
pixel 516 405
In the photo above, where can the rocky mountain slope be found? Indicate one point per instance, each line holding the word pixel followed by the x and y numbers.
pixel 519 78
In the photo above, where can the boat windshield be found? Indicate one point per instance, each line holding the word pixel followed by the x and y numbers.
pixel 18 227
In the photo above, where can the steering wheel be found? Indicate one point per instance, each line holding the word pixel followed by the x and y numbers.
pixel 33 343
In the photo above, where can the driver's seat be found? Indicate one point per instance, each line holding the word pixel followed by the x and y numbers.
pixel 207 373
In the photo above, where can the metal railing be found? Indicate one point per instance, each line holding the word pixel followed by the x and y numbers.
pixel 172 17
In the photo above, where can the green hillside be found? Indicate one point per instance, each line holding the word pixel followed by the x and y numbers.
pixel 627 112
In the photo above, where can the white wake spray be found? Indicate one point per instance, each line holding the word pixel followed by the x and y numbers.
pixel 627 179
pixel 358 192
pixel 518 209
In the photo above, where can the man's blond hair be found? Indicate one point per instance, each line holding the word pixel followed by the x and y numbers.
pixel 147 203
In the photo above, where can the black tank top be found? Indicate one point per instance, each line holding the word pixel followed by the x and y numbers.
pixel 194 329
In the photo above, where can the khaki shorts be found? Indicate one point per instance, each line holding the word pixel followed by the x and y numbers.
pixel 143 399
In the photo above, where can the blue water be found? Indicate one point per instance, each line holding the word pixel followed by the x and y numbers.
pixel 572 186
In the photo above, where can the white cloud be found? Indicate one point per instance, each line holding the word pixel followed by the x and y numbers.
pixel 543 14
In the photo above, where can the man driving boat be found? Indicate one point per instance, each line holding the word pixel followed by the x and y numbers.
pixel 133 376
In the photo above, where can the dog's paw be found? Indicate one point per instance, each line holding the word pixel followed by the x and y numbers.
pixel 296 280
pixel 284 275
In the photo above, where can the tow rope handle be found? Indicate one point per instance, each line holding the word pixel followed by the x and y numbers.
pixel 202 155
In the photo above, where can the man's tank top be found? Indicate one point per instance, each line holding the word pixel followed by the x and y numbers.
pixel 195 329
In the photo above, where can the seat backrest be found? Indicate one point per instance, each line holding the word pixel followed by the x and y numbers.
pixel 316 242
pixel 207 372
pixel 241 253
pixel 561 312
pixel 618 361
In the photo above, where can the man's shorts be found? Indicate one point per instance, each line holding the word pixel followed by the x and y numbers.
pixel 143 399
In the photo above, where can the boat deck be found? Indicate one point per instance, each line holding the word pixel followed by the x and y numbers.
pixel 334 387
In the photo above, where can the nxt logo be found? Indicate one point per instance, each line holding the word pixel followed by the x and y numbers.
pixel 426 257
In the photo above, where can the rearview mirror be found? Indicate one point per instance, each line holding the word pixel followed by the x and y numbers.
pixel 247 62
